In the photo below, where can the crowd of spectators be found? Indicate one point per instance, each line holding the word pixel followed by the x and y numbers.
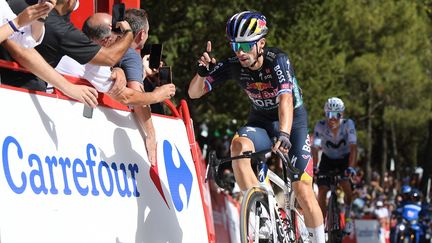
pixel 40 36
pixel 378 199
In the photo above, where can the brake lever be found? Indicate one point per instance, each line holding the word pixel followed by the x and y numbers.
pixel 287 162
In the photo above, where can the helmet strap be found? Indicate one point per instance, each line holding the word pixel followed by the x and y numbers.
pixel 259 54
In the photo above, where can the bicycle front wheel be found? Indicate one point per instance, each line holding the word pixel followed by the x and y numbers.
pixel 334 230
pixel 255 215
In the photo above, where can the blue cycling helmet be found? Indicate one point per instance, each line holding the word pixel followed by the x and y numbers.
pixel 406 189
pixel 246 26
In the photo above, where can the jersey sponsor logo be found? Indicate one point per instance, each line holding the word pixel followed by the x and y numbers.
pixel 258 86
pixel 306 146
pixel 286 86
pixel 253 95
pixel 265 102
pixel 270 94
pixel 268 70
pixel 335 146
pixel 272 55
pixel 279 73
pixel 179 177
pixel 268 76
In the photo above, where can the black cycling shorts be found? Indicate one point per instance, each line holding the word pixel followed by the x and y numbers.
pixel 327 164
pixel 262 131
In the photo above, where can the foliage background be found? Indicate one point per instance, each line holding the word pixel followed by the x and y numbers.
pixel 375 55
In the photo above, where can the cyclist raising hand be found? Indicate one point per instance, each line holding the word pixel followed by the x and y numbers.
pixel 337 139
pixel 267 77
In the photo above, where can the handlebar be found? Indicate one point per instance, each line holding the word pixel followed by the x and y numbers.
pixel 263 155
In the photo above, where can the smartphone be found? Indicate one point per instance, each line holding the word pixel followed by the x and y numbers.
pixel 165 75
pixel 88 112
pixel 146 50
pixel 118 14
pixel 155 56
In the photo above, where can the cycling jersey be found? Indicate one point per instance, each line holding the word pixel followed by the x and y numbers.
pixel 263 87
pixel 335 147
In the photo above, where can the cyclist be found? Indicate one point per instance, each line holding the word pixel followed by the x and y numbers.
pixel 277 110
pixel 337 139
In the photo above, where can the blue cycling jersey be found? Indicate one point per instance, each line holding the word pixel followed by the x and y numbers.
pixel 263 86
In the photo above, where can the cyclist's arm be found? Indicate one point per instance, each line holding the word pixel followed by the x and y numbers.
pixel 197 87
pixel 352 139
pixel 286 111
pixel 353 155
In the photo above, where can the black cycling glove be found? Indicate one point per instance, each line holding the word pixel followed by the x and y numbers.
pixel 204 71
pixel 284 138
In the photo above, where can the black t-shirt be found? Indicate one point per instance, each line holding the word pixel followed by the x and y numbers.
pixel 61 38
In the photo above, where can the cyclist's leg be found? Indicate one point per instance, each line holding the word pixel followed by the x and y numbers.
pixel 247 139
pixel 326 165
pixel 302 159
pixel 322 198
pixel 346 188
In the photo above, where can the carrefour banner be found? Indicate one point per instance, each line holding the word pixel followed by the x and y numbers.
pixel 67 178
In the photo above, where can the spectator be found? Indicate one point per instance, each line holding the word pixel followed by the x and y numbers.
pixel 31 35
pixel 382 214
pixel 24 28
pixel 62 38
pixel 151 82
pixel 98 28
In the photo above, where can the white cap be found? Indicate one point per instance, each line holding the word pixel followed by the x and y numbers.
pixel 76 5
pixel 379 204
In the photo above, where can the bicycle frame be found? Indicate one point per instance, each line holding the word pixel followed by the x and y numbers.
pixel 296 229
pixel 333 224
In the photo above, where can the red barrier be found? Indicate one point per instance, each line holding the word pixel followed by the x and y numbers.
pixel 200 166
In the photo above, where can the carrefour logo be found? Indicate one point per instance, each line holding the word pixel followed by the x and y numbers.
pixel 179 176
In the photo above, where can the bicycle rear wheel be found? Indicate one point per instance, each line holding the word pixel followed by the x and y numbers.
pixel 334 230
pixel 254 207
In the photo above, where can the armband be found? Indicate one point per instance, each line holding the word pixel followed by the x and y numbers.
pixel 12 25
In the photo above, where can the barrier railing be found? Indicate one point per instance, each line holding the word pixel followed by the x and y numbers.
pixel 182 112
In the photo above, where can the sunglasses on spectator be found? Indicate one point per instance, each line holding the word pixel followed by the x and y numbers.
pixel 333 115
pixel 244 46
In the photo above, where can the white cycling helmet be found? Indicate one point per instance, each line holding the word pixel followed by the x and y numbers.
pixel 334 104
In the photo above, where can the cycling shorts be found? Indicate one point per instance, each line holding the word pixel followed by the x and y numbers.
pixel 262 131
pixel 327 164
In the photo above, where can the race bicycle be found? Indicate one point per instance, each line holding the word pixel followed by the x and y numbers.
pixel 333 223
pixel 260 210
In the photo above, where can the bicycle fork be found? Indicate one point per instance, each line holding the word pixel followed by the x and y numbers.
pixel 276 220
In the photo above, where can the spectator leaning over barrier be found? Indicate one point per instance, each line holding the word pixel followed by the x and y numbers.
pixel 97 27
pixel 62 38
pixel 24 33
pixel 24 28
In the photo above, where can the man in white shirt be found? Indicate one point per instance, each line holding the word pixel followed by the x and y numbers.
pixel 24 33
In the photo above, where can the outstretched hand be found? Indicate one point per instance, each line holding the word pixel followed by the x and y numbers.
pixel 32 13
pixel 83 93
pixel 164 92
pixel 206 63
pixel 119 78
